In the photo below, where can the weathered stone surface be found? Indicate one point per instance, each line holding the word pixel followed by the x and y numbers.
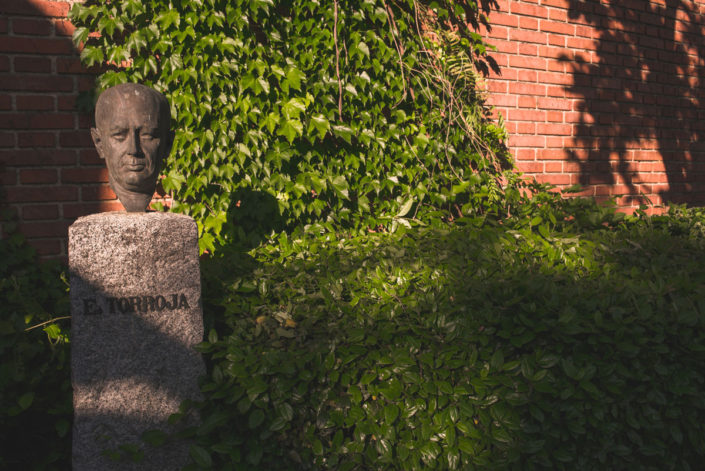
pixel 133 135
pixel 136 316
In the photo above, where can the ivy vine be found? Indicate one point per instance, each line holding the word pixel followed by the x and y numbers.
pixel 336 115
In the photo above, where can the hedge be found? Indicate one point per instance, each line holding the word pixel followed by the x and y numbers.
pixel 477 347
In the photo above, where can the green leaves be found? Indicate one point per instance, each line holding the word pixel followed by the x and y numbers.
pixel 240 74
pixel 451 347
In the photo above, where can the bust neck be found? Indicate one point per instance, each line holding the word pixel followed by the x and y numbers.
pixel 134 202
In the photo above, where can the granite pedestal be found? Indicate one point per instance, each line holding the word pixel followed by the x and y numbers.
pixel 136 317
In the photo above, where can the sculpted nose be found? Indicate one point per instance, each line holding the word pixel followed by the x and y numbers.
pixel 133 144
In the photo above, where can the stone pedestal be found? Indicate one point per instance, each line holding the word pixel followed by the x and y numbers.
pixel 136 317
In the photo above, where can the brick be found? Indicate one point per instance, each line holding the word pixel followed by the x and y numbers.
pixel 44 229
pixel 22 194
pixel 25 45
pixel 556 66
pixel 525 154
pixel 8 176
pixel 556 27
pixel 525 75
pixel 52 121
pixel 527 62
pixel 4 63
pixel 498 32
pixel 90 157
pixel 525 9
pixel 527 89
pixel 32 64
pixel 554 116
pixel 3 25
pixel 527 102
pixel 525 127
pixel 35 27
pixel 528 49
pixel 527 23
pixel 24 157
pixel 505 47
pixel 504 19
pixel 556 14
pixel 75 138
pixel 528 36
pixel 495 86
pixel 84 175
pixel 86 83
pixel 584 31
pixel 553 167
pixel 5 102
pixel 530 167
pixel 527 141
pixel 555 91
pixel 577 117
pixel 63 28
pixel 523 114
pixel 31 176
pixel 503 100
pixel 7 139
pixel 84 121
pixel 554 129
pixel 553 178
pixel 38 83
pixel 46 247
pixel 35 102
pixel 76 210
pixel 556 40
pixel 554 104
pixel 564 4
pixel 70 65
pixel 98 192
pixel 552 52
pixel 553 154
pixel 36 139
pixel 40 211
pixel 45 8
pixel 14 121
pixel 555 78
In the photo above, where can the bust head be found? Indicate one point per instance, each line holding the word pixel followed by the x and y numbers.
pixel 133 135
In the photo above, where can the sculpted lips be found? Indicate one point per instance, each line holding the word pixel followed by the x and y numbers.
pixel 135 166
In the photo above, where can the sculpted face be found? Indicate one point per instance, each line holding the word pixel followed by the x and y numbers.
pixel 132 135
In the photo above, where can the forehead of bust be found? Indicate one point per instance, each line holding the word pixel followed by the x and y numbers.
pixel 131 96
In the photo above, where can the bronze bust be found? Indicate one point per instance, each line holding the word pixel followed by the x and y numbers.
pixel 133 135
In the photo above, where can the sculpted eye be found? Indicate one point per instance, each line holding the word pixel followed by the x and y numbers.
pixel 119 136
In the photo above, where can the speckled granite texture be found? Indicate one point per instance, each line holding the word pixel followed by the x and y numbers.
pixel 136 317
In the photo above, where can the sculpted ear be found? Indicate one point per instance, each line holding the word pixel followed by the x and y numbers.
pixel 95 134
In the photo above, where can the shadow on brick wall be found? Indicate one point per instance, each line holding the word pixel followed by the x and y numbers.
pixel 50 173
pixel 641 89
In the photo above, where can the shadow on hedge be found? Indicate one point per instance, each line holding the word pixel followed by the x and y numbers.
pixel 460 349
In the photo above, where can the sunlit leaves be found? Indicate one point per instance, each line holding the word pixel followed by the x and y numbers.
pixel 245 73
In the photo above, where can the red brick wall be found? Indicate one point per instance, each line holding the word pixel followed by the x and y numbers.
pixel 49 171
pixel 606 94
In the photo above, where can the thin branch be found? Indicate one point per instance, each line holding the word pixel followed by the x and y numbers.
pixel 337 60
pixel 47 322
pixel 399 48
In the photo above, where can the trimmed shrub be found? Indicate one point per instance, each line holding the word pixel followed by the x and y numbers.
pixel 488 347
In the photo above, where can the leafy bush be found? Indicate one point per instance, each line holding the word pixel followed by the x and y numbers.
pixel 479 347
pixel 35 387
pixel 349 115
